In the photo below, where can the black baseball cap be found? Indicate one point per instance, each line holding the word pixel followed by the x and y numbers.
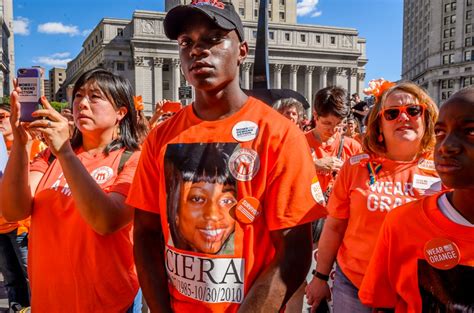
pixel 222 14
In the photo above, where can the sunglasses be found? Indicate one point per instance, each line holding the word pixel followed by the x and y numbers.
pixel 412 110
pixel 4 115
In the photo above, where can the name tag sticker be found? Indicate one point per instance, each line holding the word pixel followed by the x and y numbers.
pixel 426 182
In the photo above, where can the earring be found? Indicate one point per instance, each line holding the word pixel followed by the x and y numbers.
pixel 380 138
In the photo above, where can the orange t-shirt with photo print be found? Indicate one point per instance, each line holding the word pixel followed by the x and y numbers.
pixel 366 204
pixel 261 165
pixel 350 147
pixel 423 262
pixel 71 267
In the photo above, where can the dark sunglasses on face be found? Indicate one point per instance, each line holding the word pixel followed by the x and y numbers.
pixel 4 115
pixel 412 110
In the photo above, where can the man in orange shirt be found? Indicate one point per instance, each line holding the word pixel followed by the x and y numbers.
pixel 424 257
pixel 225 166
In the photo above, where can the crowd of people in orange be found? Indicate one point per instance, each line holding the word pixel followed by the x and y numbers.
pixel 232 205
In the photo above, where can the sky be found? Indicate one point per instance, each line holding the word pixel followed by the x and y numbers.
pixel 51 32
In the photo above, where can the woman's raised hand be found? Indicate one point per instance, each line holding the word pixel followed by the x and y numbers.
pixel 53 126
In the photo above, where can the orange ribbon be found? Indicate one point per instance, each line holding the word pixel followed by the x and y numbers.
pixel 138 102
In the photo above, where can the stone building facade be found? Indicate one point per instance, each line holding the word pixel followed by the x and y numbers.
pixel 438 45
pixel 302 57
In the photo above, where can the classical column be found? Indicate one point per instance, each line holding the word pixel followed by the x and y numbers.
pixel 323 77
pixel 157 80
pixel 360 84
pixel 139 74
pixel 352 80
pixel 294 77
pixel 246 74
pixel 277 68
pixel 175 63
pixel 308 82
pixel 341 77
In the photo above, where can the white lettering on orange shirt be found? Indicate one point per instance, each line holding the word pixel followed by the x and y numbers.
pixel 213 280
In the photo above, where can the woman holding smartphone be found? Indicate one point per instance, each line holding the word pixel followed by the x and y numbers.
pixel 80 256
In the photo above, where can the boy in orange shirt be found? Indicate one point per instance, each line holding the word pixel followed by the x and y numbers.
pixel 226 167
pixel 424 257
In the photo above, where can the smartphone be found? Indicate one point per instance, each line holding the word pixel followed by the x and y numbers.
pixel 31 84
pixel 171 107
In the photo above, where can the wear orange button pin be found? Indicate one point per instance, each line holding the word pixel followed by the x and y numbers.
pixel 442 253
pixel 247 210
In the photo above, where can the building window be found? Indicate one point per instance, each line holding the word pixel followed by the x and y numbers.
pixel 282 16
pixel 453 6
pixel 254 34
pixel 444 95
pixel 468 42
pixel 120 66
pixel 282 2
pixel 60 74
pixel 255 12
pixel 241 11
pixel 166 85
pixel 446 46
pixel 451 83
pixel 303 37
pixel 467 69
pixel 468 3
pixel 447 7
pixel 120 32
pixel 453 19
pixel 444 84
pixel 451 45
pixel 271 35
pixel 452 31
pixel 333 40
pixel 468 28
pixel 468 55
pixel 166 67
pixel 446 20
pixel 451 58
pixel 120 52
pixel 468 14
pixel 445 59
pixel 269 14
pixel 287 36
pixel 101 34
pixel 318 39
pixel 446 33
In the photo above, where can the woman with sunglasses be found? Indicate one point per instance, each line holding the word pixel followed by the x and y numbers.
pixel 80 257
pixel 424 256
pixel 396 168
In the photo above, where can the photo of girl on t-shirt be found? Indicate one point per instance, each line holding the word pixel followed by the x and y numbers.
pixel 200 193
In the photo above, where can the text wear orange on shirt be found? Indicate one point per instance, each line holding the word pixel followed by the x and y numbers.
pixel 365 205
pixel 400 276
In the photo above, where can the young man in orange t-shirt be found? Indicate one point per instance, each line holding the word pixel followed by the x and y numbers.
pixel 224 198
pixel 424 257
